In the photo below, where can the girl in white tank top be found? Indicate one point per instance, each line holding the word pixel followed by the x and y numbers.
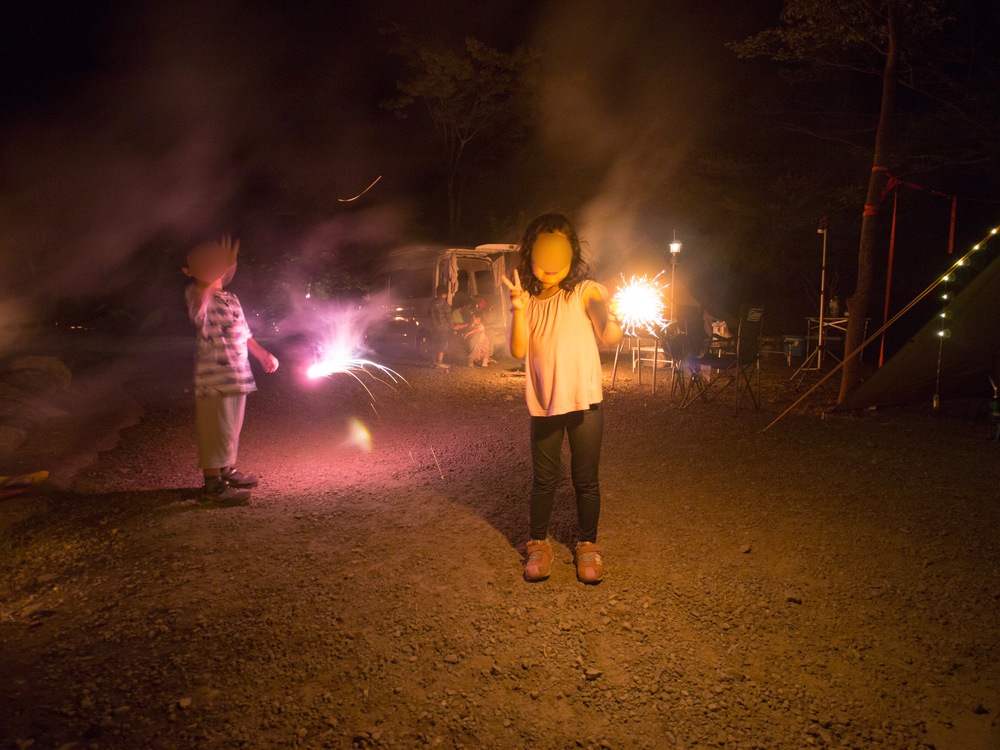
pixel 558 316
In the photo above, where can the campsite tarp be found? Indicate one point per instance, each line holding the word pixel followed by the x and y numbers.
pixel 968 356
pixel 682 293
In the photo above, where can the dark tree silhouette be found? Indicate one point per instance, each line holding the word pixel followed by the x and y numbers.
pixel 882 38
pixel 467 95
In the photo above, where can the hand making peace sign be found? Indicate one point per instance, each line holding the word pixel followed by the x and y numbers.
pixel 518 297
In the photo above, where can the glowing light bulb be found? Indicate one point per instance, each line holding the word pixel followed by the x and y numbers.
pixel 993 231
pixel 960 262
pixel 975 247
pixel 946 277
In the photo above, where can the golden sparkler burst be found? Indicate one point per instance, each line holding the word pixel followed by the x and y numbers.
pixel 638 303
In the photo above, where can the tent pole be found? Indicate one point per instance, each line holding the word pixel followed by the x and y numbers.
pixel 909 306
pixel 822 300
pixel 816 353
pixel 888 275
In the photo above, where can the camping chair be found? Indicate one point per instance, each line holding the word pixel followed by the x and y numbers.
pixel 687 380
pixel 741 370
pixel 693 356
pixel 673 347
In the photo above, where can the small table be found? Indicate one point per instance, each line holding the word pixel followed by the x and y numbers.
pixel 640 355
pixel 831 323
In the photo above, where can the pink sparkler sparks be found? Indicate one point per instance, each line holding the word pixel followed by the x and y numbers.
pixel 639 305
pixel 346 362
pixel 342 350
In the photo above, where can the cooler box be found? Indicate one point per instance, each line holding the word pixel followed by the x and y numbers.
pixel 794 346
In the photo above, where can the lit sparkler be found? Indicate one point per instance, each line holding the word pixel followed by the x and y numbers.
pixel 342 353
pixel 346 362
pixel 638 303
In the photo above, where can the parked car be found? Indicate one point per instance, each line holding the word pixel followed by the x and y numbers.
pixel 407 282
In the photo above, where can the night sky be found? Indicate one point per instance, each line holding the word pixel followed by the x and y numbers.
pixel 129 129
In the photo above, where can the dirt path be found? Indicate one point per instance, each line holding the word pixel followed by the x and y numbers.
pixel 830 583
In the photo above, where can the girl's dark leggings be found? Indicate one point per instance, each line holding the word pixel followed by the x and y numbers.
pixel 585 429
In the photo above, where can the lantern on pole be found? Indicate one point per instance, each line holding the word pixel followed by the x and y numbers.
pixel 675 250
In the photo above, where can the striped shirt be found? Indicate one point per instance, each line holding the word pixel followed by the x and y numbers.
pixel 222 365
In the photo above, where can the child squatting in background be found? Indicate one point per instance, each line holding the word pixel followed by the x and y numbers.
pixel 222 376
pixel 477 341
pixel 558 315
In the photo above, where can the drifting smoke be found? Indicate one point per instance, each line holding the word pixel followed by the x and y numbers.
pixel 195 119
pixel 198 119
pixel 627 92
pixel 14 321
pixel 329 338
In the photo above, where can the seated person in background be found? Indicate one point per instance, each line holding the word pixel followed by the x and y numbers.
pixel 489 313
pixel 694 329
pixel 476 340
pixel 688 339
pixel 672 339
pixel 459 306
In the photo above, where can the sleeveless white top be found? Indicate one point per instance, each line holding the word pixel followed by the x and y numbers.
pixel 563 364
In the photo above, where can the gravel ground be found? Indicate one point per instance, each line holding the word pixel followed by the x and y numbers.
pixel 831 583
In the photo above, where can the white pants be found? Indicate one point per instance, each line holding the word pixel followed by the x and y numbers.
pixel 218 420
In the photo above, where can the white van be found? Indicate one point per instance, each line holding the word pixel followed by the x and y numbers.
pixel 410 276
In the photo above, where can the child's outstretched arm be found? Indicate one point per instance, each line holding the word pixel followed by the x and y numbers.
pixel 231 248
pixel 267 360
pixel 518 340
pixel 606 325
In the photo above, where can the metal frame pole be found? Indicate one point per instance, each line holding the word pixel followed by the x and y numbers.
pixel 673 279
pixel 822 303
pixel 816 353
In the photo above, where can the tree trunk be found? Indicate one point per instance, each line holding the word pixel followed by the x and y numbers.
pixel 455 149
pixel 857 303
pixel 452 208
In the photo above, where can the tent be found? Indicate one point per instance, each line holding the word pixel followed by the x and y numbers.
pixel 969 355
pixel 682 294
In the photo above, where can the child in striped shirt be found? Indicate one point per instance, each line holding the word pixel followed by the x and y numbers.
pixel 222 377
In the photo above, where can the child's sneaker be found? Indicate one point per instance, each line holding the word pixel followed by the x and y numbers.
pixel 538 566
pixel 218 489
pixel 238 478
pixel 589 567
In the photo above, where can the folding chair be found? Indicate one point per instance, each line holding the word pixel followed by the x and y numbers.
pixel 673 346
pixel 652 354
pixel 694 357
pixel 741 370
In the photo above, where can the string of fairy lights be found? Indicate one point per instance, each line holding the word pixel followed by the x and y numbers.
pixel 943 332
pixel 945 315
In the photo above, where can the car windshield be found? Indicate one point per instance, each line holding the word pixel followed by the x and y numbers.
pixel 411 283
